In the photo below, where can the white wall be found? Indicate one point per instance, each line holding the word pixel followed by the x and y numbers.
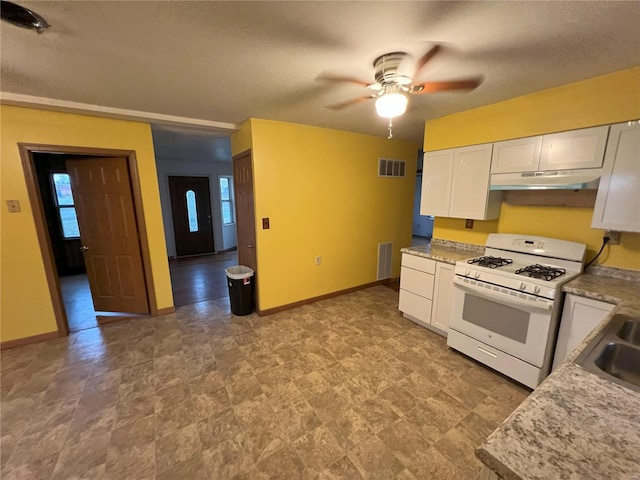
pixel 224 237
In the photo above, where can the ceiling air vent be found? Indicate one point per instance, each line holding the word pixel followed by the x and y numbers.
pixel 391 168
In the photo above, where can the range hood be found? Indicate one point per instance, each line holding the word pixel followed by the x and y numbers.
pixel 547 180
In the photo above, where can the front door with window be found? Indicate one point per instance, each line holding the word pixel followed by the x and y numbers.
pixel 191 213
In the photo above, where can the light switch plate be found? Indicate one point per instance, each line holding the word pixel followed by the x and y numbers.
pixel 13 206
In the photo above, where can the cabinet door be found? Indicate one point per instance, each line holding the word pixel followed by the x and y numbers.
pixel 579 317
pixel 519 155
pixel 442 296
pixel 574 150
pixel 618 202
pixel 470 188
pixel 436 183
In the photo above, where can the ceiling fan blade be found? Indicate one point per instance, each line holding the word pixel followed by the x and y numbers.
pixel 430 87
pixel 336 78
pixel 425 59
pixel 348 103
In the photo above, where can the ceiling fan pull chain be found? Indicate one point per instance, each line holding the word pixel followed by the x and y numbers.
pixel 390 131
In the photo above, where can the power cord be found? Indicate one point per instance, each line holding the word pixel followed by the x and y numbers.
pixel 605 240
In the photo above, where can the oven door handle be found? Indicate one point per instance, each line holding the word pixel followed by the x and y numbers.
pixel 503 299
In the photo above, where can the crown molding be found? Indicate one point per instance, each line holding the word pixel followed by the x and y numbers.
pixel 44 103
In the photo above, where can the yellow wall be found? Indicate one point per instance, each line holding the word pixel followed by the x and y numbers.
pixel 26 308
pixel 241 140
pixel 320 189
pixel 602 100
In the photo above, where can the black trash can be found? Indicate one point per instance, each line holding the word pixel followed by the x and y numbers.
pixel 240 281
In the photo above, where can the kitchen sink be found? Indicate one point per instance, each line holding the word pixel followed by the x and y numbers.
pixel 615 353
pixel 630 332
pixel 622 361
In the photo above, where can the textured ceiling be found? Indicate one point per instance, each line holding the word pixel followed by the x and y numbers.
pixel 228 61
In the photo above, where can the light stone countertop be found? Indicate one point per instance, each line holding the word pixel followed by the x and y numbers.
pixel 575 425
pixel 445 251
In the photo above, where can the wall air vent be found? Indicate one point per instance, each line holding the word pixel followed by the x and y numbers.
pixel 385 251
pixel 391 168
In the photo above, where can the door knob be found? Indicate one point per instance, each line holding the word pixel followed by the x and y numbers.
pixel 84 248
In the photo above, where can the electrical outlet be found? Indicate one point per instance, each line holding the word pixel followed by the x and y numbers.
pixel 265 223
pixel 13 206
pixel 468 223
pixel 614 237
pixel 318 260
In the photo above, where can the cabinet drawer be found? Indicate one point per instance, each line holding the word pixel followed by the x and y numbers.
pixel 415 305
pixel 512 367
pixel 419 263
pixel 417 282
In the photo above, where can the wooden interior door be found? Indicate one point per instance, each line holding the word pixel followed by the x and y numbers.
pixel 101 189
pixel 245 215
pixel 191 213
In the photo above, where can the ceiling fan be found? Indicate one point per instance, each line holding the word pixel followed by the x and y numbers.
pixel 393 82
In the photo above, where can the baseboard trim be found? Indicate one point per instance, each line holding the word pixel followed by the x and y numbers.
pixel 289 306
pixel 166 310
pixel 19 342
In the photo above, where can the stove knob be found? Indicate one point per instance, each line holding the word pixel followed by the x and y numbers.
pixel 467 273
pixel 476 275
pixel 536 290
pixel 523 286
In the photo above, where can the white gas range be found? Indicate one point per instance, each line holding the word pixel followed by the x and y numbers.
pixel 507 303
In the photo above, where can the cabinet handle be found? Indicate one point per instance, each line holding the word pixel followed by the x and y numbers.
pixel 491 354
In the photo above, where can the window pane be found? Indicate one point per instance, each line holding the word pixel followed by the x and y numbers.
pixel 192 211
pixel 226 213
pixel 224 188
pixel 62 185
pixel 69 222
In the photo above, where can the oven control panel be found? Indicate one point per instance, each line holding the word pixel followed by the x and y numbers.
pixel 523 243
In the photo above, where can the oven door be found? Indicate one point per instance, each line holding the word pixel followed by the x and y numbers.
pixel 515 325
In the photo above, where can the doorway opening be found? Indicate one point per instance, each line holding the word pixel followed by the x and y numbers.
pixel 422 224
pixel 87 209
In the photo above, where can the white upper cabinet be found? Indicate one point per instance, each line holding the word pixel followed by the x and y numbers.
pixel 470 186
pixel 437 173
pixel 618 202
pixel 519 155
pixel 455 183
pixel 574 149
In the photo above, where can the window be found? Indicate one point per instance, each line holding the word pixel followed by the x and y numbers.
pixel 64 204
pixel 192 211
pixel 226 200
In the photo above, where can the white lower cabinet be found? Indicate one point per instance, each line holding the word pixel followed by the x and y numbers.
pixel 487 474
pixel 442 296
pixel 425 292
pixel 580 316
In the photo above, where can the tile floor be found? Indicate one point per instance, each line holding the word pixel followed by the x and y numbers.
pixel 193 279
pixel 340 389
pixel 78 303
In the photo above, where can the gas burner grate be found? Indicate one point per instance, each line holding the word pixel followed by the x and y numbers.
pixel 541 271
pixel 491 262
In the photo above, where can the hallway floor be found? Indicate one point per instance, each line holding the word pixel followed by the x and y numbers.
pixel 201 278
pixel 343 388
pixel 193 279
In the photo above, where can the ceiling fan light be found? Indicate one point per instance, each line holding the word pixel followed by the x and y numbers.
pixel 391 105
